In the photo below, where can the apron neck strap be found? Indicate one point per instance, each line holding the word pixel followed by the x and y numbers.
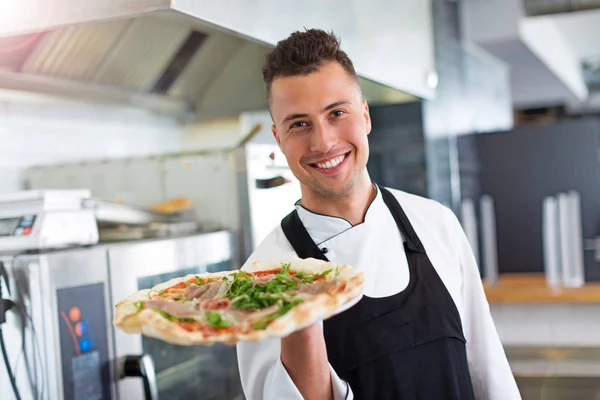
pixel 296 234
pixel 413 242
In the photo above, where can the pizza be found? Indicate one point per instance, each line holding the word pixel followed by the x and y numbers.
pixel 263 300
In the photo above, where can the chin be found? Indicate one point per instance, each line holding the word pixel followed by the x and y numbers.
pixel 340 189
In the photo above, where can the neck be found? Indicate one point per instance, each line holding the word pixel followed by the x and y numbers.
pixel 351 207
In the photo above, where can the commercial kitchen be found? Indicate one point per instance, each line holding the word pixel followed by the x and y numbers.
pixel 136 146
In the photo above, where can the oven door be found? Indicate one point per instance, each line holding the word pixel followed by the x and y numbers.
pixel 182 372
pixel 70 312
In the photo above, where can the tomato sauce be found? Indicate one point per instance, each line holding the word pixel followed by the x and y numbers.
pixel 205 329
pixel 258 274
pixel 184 284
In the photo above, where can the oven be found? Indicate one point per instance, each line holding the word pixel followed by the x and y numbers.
pixel 59 336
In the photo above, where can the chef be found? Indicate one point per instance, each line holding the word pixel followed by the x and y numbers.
pixel 423 328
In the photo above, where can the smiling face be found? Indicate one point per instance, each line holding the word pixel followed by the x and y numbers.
pixel 321 124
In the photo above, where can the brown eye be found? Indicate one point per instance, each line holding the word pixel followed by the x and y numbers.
pixel 337 113
pixel 298 124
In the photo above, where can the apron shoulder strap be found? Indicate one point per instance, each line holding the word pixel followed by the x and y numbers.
pixel 296 234
pixel 412 240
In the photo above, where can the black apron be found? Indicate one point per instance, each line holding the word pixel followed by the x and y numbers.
pixel 406 346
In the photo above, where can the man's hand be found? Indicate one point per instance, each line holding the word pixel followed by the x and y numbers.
pixel 304 356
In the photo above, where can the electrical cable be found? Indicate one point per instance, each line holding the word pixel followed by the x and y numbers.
pixel 11 376
pixel 5 305
pixel 38 356
pixel 18 363
pixel 26 318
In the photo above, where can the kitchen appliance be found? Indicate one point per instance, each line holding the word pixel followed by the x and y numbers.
pixel 40 219
pixel 58 218
pixel 62 322
pixel 60 336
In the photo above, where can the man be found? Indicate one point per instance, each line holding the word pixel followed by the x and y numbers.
pixel 423 329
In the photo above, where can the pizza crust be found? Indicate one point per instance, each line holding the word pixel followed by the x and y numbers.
pixel 155 325
pixel 348 289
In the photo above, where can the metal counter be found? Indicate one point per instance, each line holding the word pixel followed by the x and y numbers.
pixel 556 373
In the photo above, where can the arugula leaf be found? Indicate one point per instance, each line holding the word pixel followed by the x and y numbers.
pixel 304 277
pixel 215 320
pixel 139 305
pixel 246 293
pixel 323 274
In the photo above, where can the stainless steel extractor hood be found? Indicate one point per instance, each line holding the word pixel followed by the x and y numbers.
pixel 142 54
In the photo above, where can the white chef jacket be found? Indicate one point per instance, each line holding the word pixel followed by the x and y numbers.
pixel 375 247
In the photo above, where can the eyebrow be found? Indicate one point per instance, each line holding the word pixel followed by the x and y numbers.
pixel 326 108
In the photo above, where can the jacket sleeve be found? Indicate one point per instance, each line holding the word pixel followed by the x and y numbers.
pixel 264 377
pixel 490 371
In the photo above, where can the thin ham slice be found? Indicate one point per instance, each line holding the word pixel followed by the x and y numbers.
pixel 206 291
pixel 247 316
pixel 193 291
pixel 211 292
pixel 315 288
pixel 216 304
pixel 179 310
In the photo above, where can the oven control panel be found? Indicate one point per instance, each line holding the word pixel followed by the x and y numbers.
pixel 83 342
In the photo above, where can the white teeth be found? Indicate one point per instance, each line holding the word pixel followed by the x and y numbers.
pixel 332 163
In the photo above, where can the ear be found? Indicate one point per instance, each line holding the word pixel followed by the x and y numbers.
pixel 367 116
pixel 277 139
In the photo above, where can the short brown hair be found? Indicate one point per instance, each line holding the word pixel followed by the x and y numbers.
pixel 303 53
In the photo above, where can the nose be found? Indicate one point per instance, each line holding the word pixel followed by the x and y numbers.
pixel 322 138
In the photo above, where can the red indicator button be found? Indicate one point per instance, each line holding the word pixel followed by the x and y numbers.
pixel 74 313
pixel 27 230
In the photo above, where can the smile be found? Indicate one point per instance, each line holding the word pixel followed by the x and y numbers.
pixel 331 163
pixel 331 166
